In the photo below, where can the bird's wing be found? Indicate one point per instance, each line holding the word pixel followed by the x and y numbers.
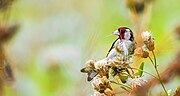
pixel 112 46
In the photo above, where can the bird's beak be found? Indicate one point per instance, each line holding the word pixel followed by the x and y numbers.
pixel 116 32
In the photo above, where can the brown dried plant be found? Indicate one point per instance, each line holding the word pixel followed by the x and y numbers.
pixel 6 73
pixel 6 33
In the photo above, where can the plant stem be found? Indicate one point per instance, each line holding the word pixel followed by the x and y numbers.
pixel 155 66
pixel 121 84
pixel 151 61
pixel 154 60
pixel 129 73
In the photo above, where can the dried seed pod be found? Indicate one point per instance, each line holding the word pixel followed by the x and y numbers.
pixel 148 40
pixel 109 92
pixel 141 53
pixel 100 84
pixel 136 82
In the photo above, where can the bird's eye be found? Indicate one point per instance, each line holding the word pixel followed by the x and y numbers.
pixel 123 31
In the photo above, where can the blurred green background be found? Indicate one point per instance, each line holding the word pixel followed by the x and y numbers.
pixel 57 37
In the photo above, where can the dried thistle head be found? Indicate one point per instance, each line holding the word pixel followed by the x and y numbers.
pixel 140 52
pixel 99 94
pixel 102 67
pixel 120 61
pixel 148 40
pixel 116 61
pixel 121 70
pixel 136 82
pixel 101 64
pixel 146 36
pixel 90 63
pixel 109 92
pixel 102 85
pixel 96 82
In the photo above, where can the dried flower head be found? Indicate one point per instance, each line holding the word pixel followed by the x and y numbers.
pixel 90 63
pixel 141 52
pixel 115 61
pixel 119 61
pixel 136 82
pixel 100 64
pixel 148 40
pixel 109 92
pixel 96 82
pixel 99 94
pixel 146 36
pixel 101 84
pixel 102 67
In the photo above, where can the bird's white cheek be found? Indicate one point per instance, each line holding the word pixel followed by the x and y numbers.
pixel 127 35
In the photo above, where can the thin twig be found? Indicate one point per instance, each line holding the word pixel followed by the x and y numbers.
pixel 155 66
pixel 121 84
pixel 151 61
pixel 154 59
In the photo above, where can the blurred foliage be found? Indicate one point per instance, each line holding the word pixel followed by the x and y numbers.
pixel 56 37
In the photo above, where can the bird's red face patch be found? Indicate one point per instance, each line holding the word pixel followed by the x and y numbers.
pixel 121 36
pixel 121 28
